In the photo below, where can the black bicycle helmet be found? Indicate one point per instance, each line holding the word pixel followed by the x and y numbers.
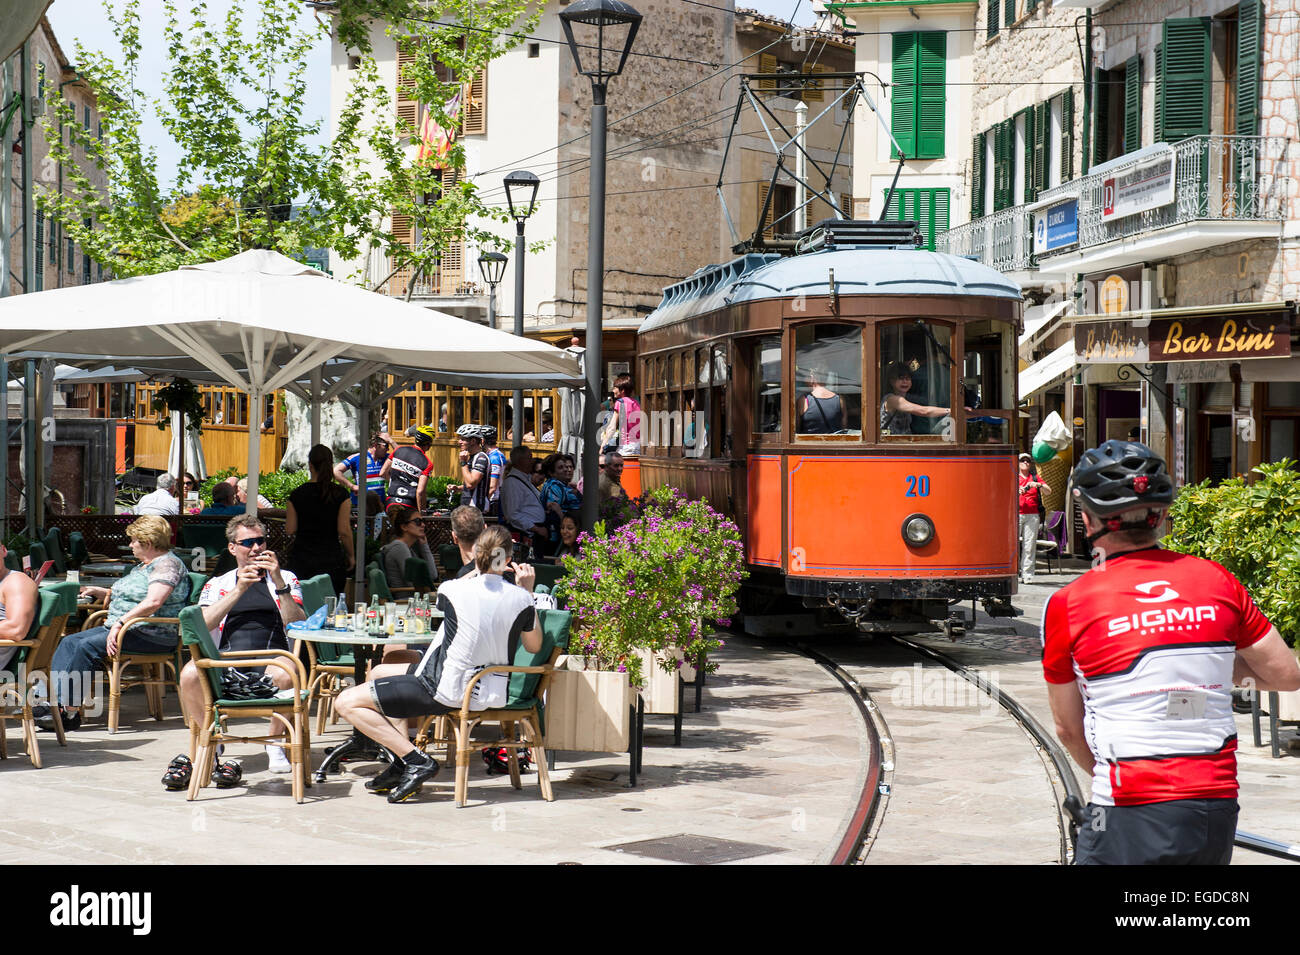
pixel 1120 476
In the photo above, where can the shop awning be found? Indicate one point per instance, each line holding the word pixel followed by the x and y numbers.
pixel 1047 371
pixel 1040 319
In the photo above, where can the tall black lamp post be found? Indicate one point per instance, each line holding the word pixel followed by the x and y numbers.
pixel 521 197
pixel 608 31
pixel 492 266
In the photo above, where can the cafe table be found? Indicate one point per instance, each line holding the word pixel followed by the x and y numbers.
pixel 369 649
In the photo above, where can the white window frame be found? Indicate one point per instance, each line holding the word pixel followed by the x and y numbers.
pixel 1054 142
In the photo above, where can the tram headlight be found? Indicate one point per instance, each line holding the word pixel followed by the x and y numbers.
pixel 918 530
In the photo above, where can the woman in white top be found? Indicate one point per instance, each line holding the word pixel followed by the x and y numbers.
pixel 483 617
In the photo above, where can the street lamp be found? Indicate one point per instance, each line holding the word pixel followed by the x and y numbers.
pixel 521 198
pixel 492 266
pixel 615 24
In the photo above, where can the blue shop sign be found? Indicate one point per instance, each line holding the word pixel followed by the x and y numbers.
pixel 1056 226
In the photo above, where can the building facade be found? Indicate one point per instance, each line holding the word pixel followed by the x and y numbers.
pixel 1159 250
pixel 670 117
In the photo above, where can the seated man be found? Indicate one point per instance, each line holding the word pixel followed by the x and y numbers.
pixel 521 505
pixel 18 602
pixel 223 501
pixel 161 502
pixel 466 525
pixel 247 609
pixel 483 619
pixel 610 484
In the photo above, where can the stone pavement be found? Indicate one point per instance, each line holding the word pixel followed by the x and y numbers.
pixel 767 773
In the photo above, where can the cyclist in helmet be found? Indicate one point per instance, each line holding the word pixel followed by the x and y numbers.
pixel 1140 656
pixel 407 470
pixel 496 468
pixel 474 466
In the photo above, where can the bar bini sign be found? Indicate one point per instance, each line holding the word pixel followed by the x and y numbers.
pixel 1148 185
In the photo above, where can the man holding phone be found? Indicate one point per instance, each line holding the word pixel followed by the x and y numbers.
pixel 248 608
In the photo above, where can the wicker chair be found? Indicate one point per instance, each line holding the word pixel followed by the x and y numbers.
pixel 329 662
pixel 521 719
pixel 55 604
pixel 210 732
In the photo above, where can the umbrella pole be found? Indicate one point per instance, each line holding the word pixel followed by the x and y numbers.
pixel 363 425
pixel 254 449
pixel 316 390
pixel 178 419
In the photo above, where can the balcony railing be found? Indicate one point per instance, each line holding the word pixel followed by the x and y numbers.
pixel 1216 178
pixel 447 279
pixel 1003 240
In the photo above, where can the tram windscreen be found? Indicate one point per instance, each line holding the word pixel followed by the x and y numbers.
pixel 916 379
pixel 828 379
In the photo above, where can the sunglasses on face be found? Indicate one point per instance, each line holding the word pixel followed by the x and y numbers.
pixel 251 541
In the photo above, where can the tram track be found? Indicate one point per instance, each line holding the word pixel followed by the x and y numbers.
pixel 861 677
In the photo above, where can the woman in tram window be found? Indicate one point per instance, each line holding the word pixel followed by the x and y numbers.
pixel 895 410
pixel 821 411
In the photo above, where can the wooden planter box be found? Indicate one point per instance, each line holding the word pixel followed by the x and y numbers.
pixel 588 711
pixel 662 691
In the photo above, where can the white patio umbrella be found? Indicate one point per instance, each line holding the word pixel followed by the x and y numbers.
pixel 262 321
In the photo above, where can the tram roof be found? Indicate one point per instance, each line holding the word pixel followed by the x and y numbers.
pixel 858 271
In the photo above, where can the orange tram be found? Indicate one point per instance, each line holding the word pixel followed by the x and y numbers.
pixel 853 409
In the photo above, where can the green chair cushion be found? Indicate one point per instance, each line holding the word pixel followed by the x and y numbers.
pixel 54 546
pixel 555 634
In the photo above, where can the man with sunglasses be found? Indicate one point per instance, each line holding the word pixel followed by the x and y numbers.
pixel 248 609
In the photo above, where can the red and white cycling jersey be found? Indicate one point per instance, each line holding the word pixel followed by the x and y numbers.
pixel 1151 637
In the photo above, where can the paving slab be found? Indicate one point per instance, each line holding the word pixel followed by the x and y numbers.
pixel 770 770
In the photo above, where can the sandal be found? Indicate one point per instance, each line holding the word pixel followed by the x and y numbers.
pixel 228 774
pixel 179 772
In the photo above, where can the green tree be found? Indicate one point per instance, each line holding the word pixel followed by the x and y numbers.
pixel 1252 529
pixel 233 103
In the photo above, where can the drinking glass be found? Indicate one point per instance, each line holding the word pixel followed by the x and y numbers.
pixel 359 619
pixel 390 618
pixel 330 603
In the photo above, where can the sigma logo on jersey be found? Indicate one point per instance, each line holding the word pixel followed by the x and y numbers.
pixel 1172 618
pixel 1166 594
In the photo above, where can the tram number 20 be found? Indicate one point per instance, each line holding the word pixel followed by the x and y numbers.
pixel 918 485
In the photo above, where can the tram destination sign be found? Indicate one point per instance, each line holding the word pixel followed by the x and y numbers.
pixel 1148 185
pixel 1265 334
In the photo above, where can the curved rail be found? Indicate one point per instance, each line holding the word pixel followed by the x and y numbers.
pixel 849 849
pixel 1045 741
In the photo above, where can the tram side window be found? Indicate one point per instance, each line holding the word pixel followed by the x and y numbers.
pixel 828 379
pixel 718 406
pixel 916 380
pixel 987 368
pixel 767 385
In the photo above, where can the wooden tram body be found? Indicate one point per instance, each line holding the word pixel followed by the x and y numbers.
pixel 728 354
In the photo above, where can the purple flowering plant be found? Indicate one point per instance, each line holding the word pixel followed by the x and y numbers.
pixel 656 580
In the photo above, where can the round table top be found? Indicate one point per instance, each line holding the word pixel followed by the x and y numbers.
pixel 357 638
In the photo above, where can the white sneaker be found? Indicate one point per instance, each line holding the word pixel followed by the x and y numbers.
pixel 279 762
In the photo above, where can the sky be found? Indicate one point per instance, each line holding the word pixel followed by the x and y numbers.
pixel 86 21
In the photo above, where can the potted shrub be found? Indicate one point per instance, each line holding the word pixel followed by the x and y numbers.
pixel 1252 529
pixel 651 587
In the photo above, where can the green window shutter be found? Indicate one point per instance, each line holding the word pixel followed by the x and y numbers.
pixel 928 208
pixel 977 176
pixel 1031 6
pixel 1009 9
pixel 931 70
pixel 993 11
pixel 903 93
pixel 1185 104
pixel 38 273
pixel 1160 93
pixel 1042 152
pixel 1004 143
pixel 1067 134
pixel 1100 117
pixel 1250 19
pixel 1132 104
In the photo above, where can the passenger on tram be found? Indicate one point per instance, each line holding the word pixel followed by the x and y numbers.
pixel 895 410
pixel 821 411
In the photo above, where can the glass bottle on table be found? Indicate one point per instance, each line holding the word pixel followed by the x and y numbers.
pixel 341 612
